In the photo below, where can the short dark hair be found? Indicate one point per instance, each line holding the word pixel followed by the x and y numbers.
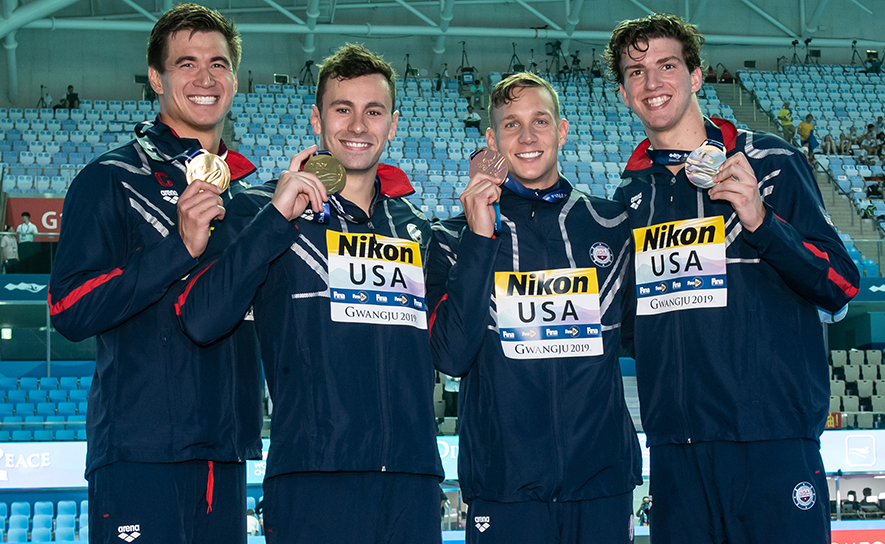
pixel 503 92
pixel 636 33
pixel 26 214
pixel 195 18
pixel 354 60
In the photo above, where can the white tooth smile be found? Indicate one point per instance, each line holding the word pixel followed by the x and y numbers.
pixel 654 102
pixel 205 100
pixel 360 145
pixel 530 155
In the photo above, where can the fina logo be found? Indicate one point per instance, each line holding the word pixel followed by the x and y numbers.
pixel 804 496
pixel 29 287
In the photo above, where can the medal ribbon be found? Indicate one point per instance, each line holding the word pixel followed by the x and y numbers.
pixel 670 157
pixel 523 191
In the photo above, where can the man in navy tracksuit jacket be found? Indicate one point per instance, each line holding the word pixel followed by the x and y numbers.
pixel 731 364
pixel 338 303
pixel 169 424
pixel 530 317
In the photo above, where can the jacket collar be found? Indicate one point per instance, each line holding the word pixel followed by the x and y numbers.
pixel 717 129
pixel 161 144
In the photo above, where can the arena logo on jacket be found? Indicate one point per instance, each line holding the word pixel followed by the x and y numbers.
pixel 681 266
pixel 375 279
pixel 549 313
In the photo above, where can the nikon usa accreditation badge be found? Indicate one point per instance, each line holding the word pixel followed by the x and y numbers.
pixel 549 313
pixel 681 266
pixel 375 279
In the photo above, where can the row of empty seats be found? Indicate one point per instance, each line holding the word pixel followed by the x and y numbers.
pixel 47 524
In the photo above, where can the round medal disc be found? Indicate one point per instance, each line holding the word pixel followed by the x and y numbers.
pixel 491 163
pixel 210 168
pixel 703 164
pixel 331 173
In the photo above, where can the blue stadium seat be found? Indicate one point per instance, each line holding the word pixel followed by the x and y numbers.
pixel 20 508
pixel 84 533
pixel 76 422
pixel 69 383
pixel 16 396
pixel 47 408
pixel 42 520
pixel 54 423
pixel 27 382
pixel 43 435
pixel 78 395
pixel 36 396
pixel 67 514
pixel 48 383
pixel 58 395
pixel 23 409
pixel 64 534
pixel 22 436
pixel 8 383
pixel 65 435
pixel 41 534
pixel 17 535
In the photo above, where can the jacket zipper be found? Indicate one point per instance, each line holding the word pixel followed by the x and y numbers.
pixel 380 345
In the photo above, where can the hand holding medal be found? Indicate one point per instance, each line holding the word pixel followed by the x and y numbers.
pixel 736 183
pixel 488 170
pixel 299 191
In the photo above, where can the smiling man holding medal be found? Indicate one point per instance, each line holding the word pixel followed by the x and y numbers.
pixel 528 290
pixel 170 423
pixel 734 253
pixel 330 260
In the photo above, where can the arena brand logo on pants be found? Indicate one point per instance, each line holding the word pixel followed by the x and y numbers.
pixel 128 533
pixel 482 523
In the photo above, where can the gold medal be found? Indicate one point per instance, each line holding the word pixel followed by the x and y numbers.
pixel 491 163
pixel 331 173
pixel 210 168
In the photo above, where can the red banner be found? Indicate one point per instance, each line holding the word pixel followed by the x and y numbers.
pixel 867 536
pixel 45 214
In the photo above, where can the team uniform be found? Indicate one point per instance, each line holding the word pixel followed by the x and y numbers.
pixel 532 321
pixel 731 364
pixel 169 424
pixel 339 308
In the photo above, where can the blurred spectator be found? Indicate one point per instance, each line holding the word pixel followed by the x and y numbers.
pixel 829 146
pixel 450 395
pixel 9 250
pixel 26 230
pixel 253 526
pixel 785 116
pixel 806 135
pixel 472 119
pixel 712 76
pixel 71 100
pixel 642 513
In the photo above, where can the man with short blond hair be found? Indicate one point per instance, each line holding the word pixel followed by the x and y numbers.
pixel 528 311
